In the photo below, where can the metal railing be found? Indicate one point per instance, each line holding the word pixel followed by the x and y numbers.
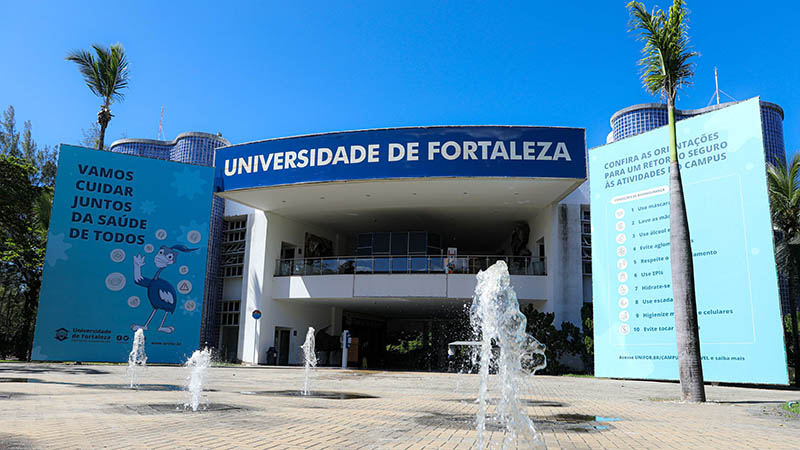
pixel 407 264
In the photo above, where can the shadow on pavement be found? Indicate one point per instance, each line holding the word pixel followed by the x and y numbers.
pixel 71 370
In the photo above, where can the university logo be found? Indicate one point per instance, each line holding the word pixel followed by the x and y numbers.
pixel 62 334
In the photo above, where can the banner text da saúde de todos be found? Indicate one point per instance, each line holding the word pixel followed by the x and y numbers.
pixel 724 177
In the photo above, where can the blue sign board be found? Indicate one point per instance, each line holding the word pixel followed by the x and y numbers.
pixel 469 151
pixel 126 250
pixel 724 175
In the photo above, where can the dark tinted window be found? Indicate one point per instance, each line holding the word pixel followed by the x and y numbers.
pixel 399 243
pixel 380 242
pixel 417 242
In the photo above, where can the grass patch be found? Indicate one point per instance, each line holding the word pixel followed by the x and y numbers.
pixel 792 407
pixel 578 375
pixel 225 364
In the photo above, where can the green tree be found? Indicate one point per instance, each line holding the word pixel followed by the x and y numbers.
pixel 568 341
pixel 91 137
pixel 9 135
pixel 22 145
pixel 24 216
pixel 106 74
pixel 666 68
pixel 587 319
pixel 791 353
pixel 27 176
pixel 784 200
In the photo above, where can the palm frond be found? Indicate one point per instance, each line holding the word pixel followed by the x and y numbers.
pixel 784 198
pixel 105 71
pixel 666 62
pixel 120 65
pixel 88 67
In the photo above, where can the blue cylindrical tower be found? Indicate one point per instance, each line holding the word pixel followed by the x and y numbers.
pixel 643 117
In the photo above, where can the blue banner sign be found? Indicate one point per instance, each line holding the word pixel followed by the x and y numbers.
pixel 724 175
pixel 126 250
pixel 469 151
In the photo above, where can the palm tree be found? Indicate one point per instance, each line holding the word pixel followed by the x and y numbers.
pixel 784 200
pixel 106 74
pixel 666 67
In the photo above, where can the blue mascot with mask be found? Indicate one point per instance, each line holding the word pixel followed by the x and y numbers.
pixel 160 292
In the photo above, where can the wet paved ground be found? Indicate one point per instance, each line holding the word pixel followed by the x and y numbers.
pixel 87 406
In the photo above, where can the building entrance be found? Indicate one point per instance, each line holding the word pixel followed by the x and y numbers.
pixel 282 337
pixel 403 343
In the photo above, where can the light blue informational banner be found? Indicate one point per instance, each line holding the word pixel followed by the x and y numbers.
pixel 126 250
pixel 724 175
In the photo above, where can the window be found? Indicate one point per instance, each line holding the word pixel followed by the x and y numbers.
pixel 417 242
pixel 234 231
pixel 229 312
pixel 586 240
pixel 380 243
pixel 400 243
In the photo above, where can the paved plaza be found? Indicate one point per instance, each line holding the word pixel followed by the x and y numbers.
pixel 86 406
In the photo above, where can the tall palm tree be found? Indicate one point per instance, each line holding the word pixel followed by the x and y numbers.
pixel 666 67
pixel 784 200
pixel 106 74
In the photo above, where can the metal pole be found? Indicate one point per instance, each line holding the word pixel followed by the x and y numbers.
pixel 345 335
pixel 255 344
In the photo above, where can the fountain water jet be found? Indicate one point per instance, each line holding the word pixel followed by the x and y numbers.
pixel 136 357
pixel 496 319
pixel 309 359
pixel 197 365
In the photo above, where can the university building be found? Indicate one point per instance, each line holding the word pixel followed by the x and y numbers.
pixel 388 249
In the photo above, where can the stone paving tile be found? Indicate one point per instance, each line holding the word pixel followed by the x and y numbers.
pixel 412 411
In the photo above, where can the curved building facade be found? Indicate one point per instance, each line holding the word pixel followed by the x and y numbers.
pixel 644 117
pixel 192 148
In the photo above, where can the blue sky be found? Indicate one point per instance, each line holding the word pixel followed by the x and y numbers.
pixel 256 70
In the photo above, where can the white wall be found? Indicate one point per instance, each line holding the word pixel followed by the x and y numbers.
pixel 252 285
pixel 560 226
pixel 568 286
pixel 266 232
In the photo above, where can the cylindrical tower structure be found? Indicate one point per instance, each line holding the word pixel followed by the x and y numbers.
pixel 644 117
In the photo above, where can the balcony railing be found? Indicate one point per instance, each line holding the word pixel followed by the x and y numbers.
pixel 409 264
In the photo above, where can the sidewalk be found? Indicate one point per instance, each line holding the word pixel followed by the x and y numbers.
pixel 66 406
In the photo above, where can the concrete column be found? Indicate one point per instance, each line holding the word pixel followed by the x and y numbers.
pixel 252 288
pixel 569 290
pixel 336 321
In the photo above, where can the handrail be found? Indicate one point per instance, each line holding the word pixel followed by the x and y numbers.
pixel 407 264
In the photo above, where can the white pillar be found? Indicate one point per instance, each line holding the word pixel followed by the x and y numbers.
pixel 250 350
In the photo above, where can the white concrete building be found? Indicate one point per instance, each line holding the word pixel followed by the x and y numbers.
pixel 388 247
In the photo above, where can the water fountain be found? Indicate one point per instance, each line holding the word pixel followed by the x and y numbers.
pixel 497 320
pixel 197 365
pixel 136 357
pixel 309 359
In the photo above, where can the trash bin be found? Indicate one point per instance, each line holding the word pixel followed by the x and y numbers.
pixel 272 356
